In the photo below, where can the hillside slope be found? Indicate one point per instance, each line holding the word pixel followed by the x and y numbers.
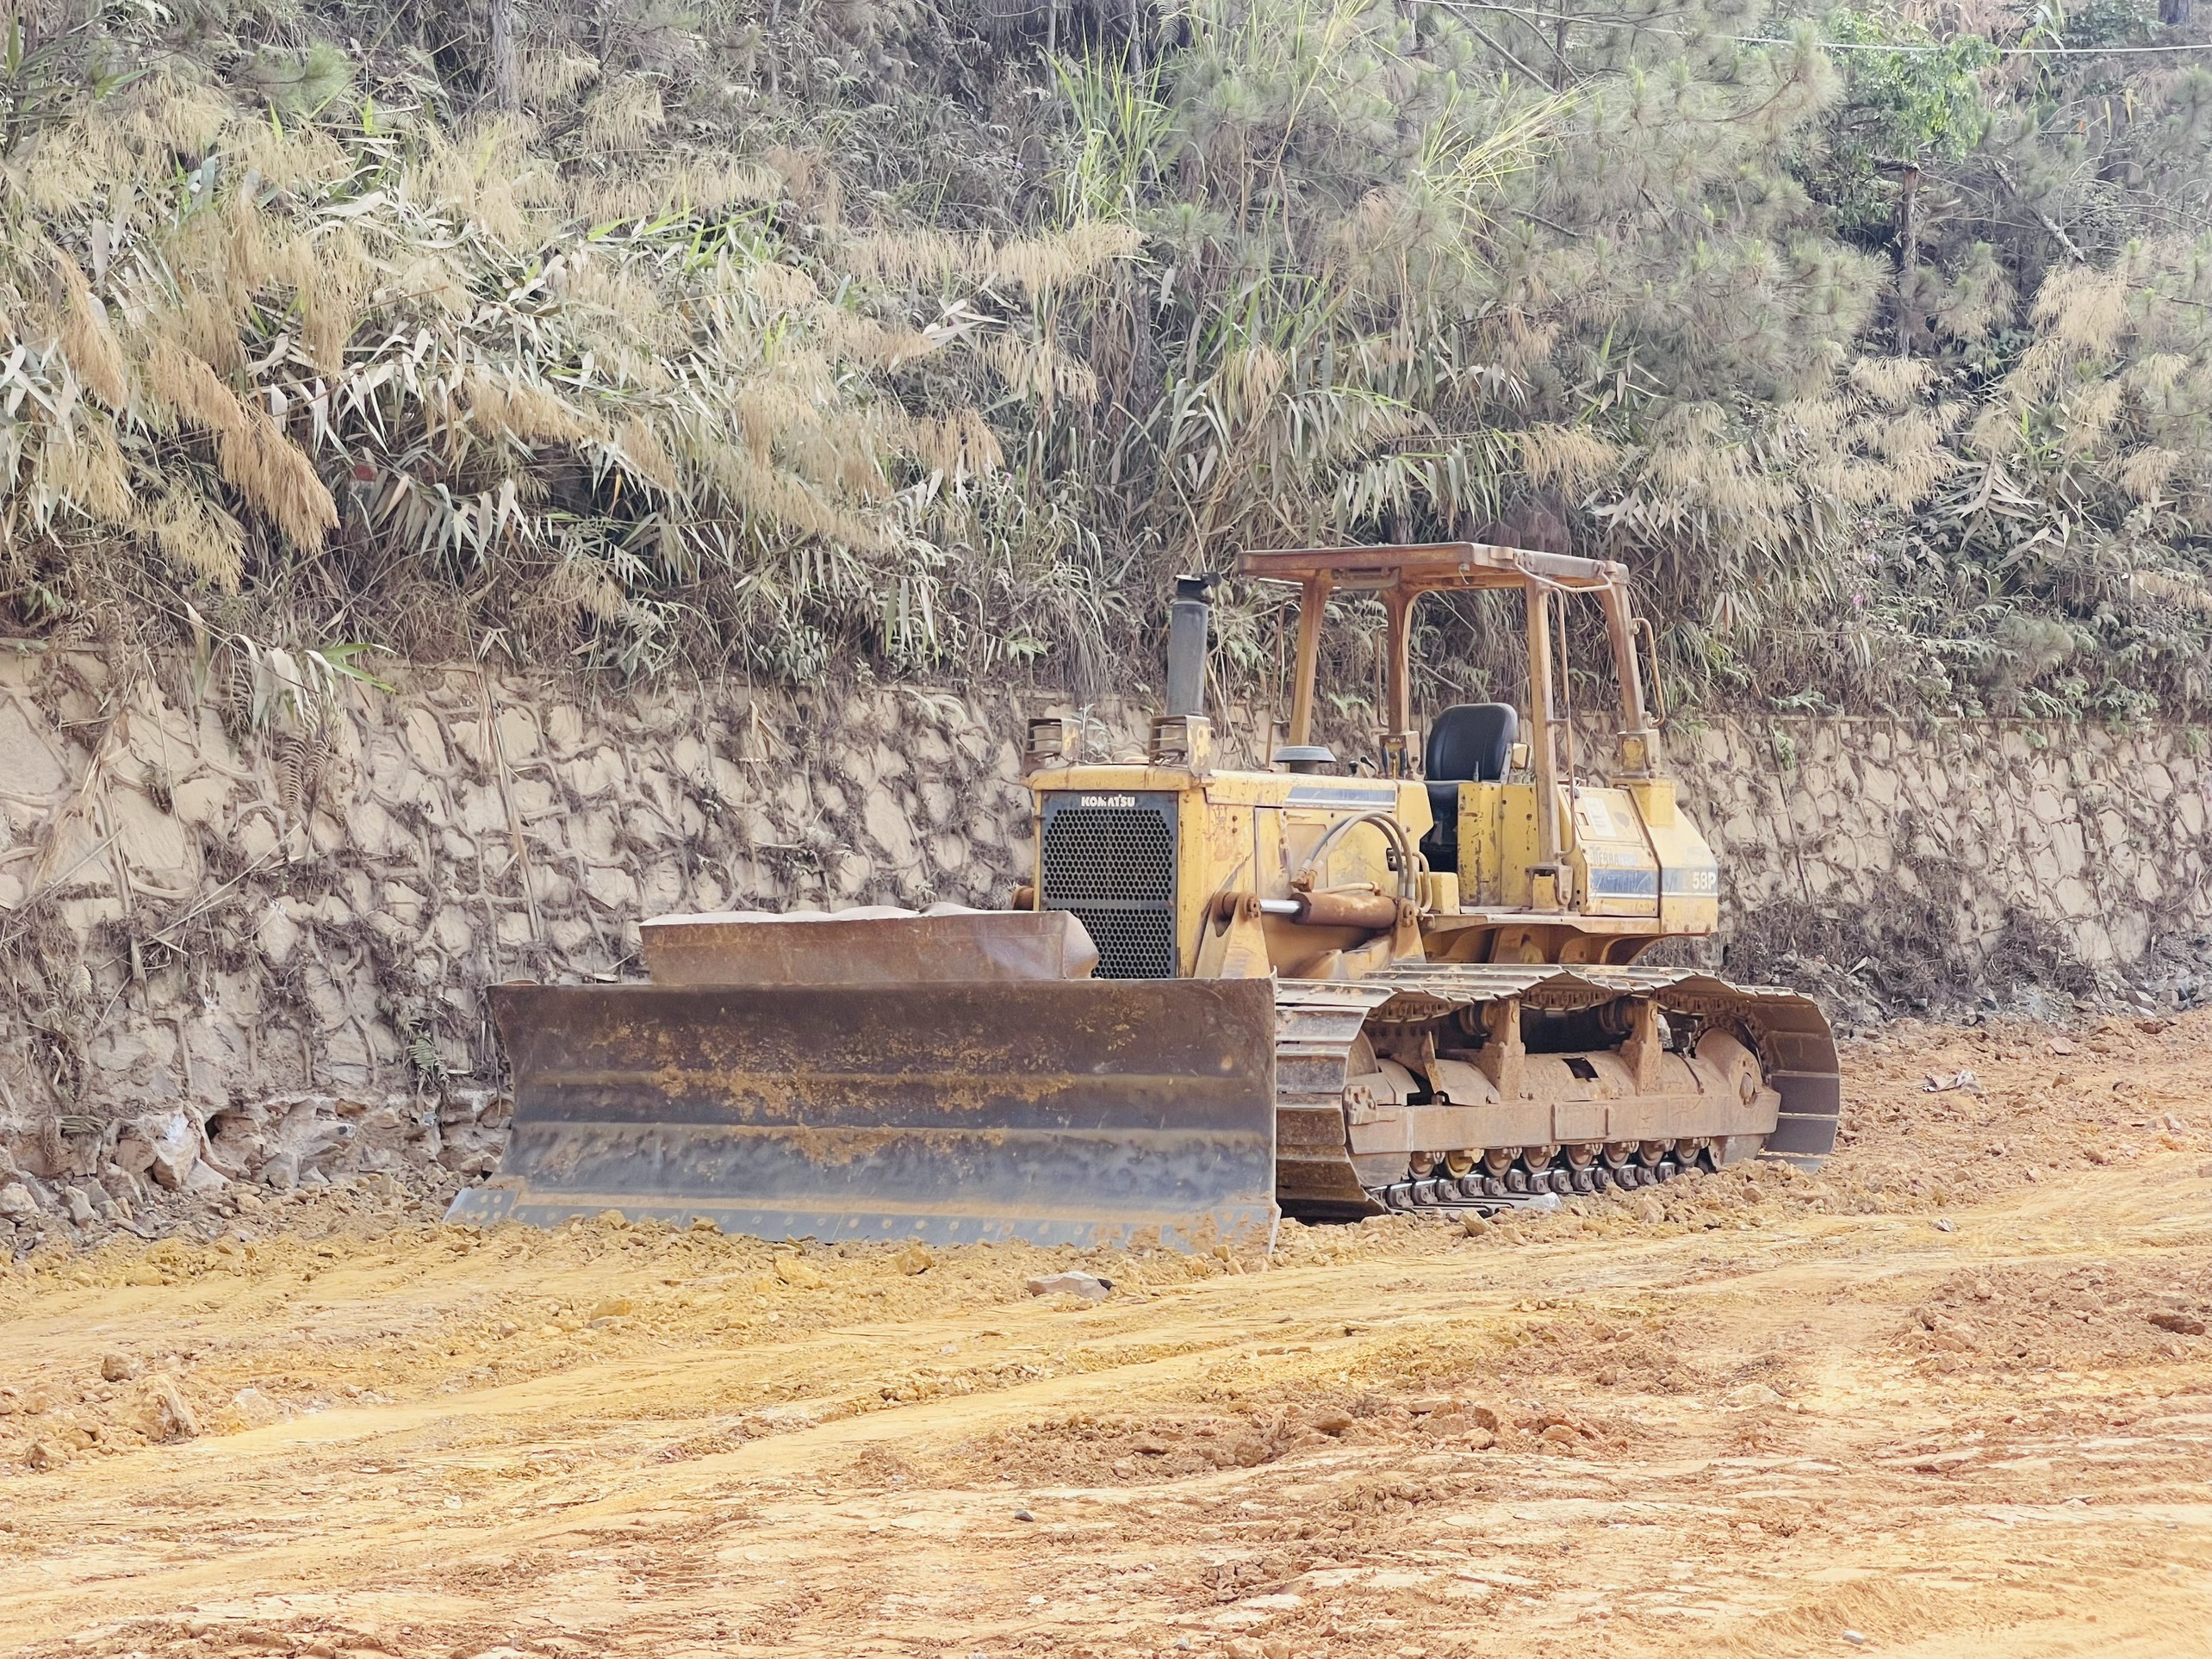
pixel 926 338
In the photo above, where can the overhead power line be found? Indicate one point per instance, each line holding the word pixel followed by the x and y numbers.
pixel 1529 17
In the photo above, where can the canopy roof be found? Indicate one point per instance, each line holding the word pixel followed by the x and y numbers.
pixel 1400 576
pixel 1429 568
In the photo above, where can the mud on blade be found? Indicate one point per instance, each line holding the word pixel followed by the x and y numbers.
pixel 1075 1111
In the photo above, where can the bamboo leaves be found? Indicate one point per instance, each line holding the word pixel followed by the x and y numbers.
pixel 800 342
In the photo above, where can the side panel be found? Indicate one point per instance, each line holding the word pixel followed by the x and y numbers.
pixel 1619 875
pixel 1219 840
pixel 1480 853
pixel 852 950
pixel 1689 876
pixel 1618 870
pixel 1497 844
pixel 1069 1112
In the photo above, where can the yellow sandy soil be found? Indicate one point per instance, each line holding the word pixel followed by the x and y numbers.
pixel 1925 1401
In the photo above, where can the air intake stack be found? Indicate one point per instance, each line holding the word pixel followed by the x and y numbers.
pixel 1182 735
pixel 1188 620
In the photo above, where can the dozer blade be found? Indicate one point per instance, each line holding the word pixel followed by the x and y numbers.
pixel 1076 1111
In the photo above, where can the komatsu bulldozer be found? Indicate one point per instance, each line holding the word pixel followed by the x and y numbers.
pixel 1326 989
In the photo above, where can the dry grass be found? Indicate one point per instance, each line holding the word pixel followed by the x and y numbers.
pixel 269 470
pixel 787 386
pixel 85 467
pixel 444 329
pixel 90 341
pixel 623 117
pixel 199 540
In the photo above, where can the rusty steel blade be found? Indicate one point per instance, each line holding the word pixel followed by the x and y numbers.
pixel 1070 1111
pixel 866 948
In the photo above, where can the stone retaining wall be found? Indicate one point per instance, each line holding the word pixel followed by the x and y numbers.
pixel 247 905
pixel 1968 842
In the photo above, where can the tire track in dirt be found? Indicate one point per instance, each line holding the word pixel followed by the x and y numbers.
pixel 1772 1413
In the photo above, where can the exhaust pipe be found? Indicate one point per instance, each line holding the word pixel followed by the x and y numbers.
pixel 1188 618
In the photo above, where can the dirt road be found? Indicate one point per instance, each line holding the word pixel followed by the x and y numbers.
pixel 1950 1398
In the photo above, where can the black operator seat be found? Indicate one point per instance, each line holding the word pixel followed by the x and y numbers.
pixel 1468 743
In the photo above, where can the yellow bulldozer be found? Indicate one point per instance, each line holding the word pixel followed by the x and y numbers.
pixel 1321 990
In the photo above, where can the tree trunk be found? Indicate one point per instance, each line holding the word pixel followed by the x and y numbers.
pixel 1908 258
pixel 503 80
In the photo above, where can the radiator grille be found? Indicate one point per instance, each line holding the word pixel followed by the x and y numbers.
pixel 1111 863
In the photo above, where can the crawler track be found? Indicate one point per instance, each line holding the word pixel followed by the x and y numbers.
pixel 1318 1023
pixel 1541 1187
